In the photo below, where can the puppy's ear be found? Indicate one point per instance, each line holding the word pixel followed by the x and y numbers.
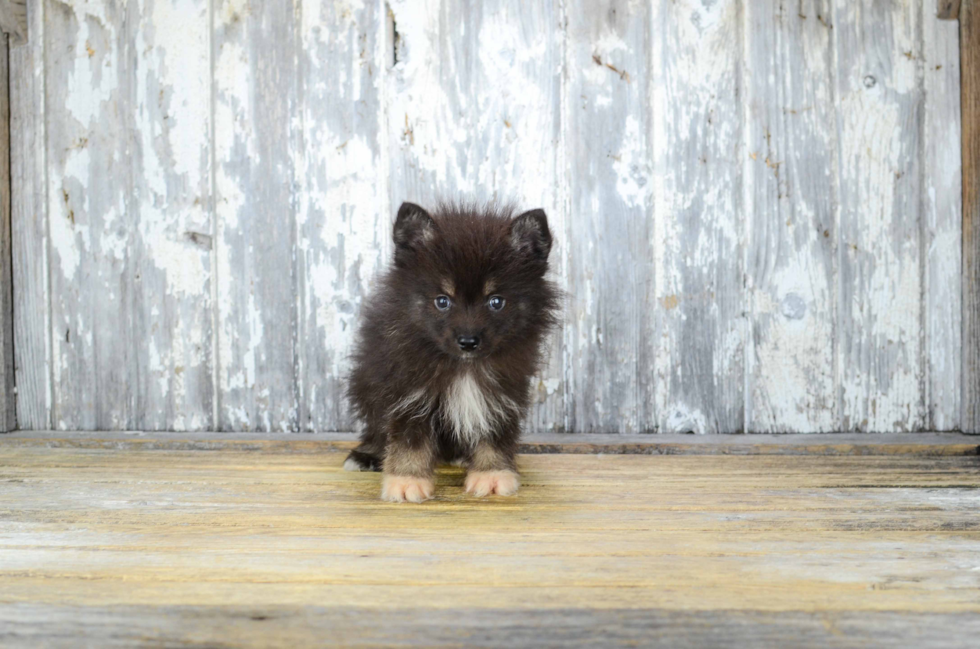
pixel 530 235
pixel 413 227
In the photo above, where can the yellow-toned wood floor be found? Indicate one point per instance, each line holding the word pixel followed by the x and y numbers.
pixel 124 546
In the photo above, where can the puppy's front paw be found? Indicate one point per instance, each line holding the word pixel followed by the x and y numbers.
pixel 401 488
pixel 484 483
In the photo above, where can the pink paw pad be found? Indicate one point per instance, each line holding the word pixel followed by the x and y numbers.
pixel 399 489
pixel 484 483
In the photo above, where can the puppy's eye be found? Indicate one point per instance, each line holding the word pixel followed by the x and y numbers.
pixel 496 303
pixel 443 303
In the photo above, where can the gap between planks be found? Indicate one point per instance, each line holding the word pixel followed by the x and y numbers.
pixel 912 444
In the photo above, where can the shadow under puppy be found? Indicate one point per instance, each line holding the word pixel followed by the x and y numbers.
pixel 447 346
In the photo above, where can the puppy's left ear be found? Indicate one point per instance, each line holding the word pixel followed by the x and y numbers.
pixel 530 234
pixel 413 227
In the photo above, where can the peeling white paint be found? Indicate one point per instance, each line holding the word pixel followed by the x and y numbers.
pixel 881 284
pixel 698 225
pixel 93 81
pixel 632 166
pixel 711 286
pixel 65 243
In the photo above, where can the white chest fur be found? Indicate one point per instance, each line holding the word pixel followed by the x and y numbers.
pixel 473 409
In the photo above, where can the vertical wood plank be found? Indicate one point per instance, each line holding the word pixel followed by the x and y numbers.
pixel 942 220
pixel 610 267
pixel 342 218
pixel 256 109
pixel 172 187
pixel 89 79
pixel 474 114
pixel 970 102
pixel 129 194
pixel 790 165
pixel 29 227
pixel 8 413
pixel 880 287
pixel 698 117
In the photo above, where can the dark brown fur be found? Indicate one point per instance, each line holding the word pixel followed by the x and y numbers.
pixel 409 353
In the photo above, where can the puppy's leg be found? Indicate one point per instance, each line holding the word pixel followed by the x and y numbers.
pixel 409 463
pixel 492 469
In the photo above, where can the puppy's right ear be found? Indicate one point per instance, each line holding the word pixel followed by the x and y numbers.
pixel 530 235
pixel 413 227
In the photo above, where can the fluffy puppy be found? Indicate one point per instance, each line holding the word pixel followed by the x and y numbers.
pixel 448 343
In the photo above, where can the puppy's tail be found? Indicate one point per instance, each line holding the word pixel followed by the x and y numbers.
pixel 359 460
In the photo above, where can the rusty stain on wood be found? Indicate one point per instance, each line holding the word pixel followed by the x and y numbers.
pixel 948 9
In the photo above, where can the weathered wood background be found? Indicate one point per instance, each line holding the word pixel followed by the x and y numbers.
pixel 757 204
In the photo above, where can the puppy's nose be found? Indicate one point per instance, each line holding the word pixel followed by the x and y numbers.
pixel 468 343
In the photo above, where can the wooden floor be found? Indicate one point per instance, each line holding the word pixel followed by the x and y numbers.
pixel 125 546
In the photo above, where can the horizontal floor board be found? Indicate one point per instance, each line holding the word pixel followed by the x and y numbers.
pixel 282 626
pixel 121 546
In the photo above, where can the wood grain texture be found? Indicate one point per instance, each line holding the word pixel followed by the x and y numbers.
pixel 776 543
pixel 879 244
pixel 318 625
pixel 8 412
pixel 970 102
pixel 256 140
pixel 343 218
pixel 474 114
pixel 128 193
pixel 611 307
pixel 941 221
pixel 699 222
pixel 29 227
pixel 791 236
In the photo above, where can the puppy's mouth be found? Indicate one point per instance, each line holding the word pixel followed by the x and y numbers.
pixel 470 356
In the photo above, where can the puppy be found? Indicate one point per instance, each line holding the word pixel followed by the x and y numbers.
pixel 447 346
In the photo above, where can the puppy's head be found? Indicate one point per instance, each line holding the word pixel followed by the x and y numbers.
pixel 476 278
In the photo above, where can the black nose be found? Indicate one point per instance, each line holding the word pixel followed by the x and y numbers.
pixel 468 343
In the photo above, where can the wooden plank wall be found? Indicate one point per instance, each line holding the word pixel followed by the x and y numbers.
pixel 756 204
